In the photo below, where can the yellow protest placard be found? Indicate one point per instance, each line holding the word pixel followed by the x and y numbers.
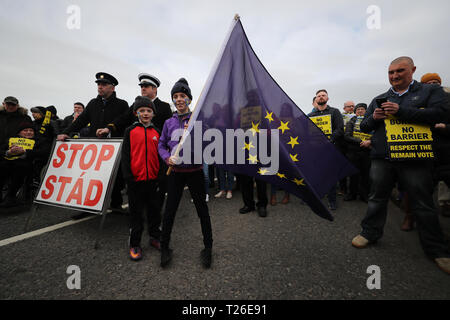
pixel 249 115
pixel 26 144
pixel 323 122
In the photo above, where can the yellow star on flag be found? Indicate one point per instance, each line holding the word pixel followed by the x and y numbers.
pixel 252 159
pixel 294 157
pixel 254 128
pixel 248 146
pixel 281 175
pixel 262 171
pixel 269 116
pixel 284 126
pixel 293 142
pixel 298 182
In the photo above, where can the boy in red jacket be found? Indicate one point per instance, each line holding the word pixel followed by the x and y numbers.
pixel 140 166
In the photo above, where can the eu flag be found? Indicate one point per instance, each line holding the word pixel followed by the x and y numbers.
pixel 240 95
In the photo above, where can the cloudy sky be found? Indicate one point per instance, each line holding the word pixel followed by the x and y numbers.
pixel 305 45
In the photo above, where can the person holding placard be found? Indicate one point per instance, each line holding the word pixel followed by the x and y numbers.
pixel 407 104
pixel 330 121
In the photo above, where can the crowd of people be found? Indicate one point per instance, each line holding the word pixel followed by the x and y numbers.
pixel 359 132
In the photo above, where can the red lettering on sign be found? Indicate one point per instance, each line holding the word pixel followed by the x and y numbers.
pixel 77 192
pixel 75 148
pixel 63 181
pixel 106 153
pixel 99 186
pixel 86 166
pixel 49 185
pixel 61 155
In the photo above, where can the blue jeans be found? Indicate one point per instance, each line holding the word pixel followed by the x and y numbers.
pixel 416 179
pixel 226 179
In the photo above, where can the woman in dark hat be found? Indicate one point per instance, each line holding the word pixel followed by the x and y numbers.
pixel 181 175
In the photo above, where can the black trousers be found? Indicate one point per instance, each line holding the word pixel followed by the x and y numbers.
pixel 416 177
pixel 162 182
pixel 359 183
pixel 196 184
pixel 17 170
pixel 141 196
pixel 247 192
pixel 119 184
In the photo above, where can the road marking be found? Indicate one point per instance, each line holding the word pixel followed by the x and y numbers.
pixel 42 231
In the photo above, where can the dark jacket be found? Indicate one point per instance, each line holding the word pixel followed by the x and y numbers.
pixel 140 160
pixel 9 122
pixel 163 112
pixel 353 143
pixel 337 122
pixel 40 150
pixel 422 104
pixel 99 115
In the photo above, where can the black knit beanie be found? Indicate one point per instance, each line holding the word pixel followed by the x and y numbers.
pixel 181 86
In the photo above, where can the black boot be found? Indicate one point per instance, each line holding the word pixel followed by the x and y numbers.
pixel 166 257
pixel 206 257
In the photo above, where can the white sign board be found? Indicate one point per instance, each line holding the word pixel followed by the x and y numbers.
pixel 80 174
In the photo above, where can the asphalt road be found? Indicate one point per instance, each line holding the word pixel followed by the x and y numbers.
pixel 291 254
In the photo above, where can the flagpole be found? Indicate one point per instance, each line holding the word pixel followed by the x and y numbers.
pixel 206 86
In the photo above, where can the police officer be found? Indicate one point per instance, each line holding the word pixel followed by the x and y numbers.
pixel 100 112
pixel 416 103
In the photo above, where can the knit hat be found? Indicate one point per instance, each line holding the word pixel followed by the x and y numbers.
pixel 142 101
pixel 52 109
pixel 181 86
pixel 430 76
pixel 25 125
pixel 361 105
pixel 39 109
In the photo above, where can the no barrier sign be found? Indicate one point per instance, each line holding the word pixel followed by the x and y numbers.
pixel 80 174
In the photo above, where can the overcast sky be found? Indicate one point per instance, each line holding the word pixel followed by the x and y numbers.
pixel 305 45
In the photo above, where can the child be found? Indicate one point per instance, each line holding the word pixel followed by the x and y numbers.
pixel 181 175
pixel 140 166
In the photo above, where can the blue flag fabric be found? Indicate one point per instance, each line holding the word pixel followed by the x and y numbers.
pixel 241 94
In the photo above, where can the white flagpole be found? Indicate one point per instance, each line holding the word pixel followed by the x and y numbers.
pixel 205 90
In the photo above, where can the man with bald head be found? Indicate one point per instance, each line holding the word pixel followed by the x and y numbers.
pixel 407 104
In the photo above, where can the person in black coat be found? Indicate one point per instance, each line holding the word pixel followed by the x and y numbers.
pixel 11 115
pixel 337 131
pixel 358 149
pixel 100 112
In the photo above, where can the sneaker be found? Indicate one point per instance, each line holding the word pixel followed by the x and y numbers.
pixel 166 257
pixel 135 253
pixel 443 264
pixel 206 257
pixel 229 195
pixel 207 198
pixel 360 242
pixel 220 194
pixel 155 244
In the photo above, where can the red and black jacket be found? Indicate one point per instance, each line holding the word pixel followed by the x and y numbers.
pixel 140 160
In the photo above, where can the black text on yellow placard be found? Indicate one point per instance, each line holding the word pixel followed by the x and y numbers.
pixel 407 141
pixel 324 123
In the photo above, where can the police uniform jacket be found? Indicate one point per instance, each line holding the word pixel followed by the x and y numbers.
pixel 422 104
pixel 99 115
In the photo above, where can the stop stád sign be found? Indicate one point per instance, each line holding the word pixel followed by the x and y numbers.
pixel 80 174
